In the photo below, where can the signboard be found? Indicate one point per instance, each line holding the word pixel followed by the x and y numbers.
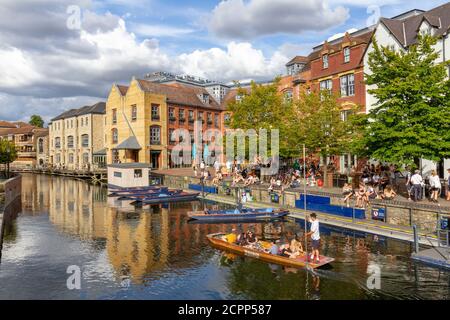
pixel 378 213
pixel 275 198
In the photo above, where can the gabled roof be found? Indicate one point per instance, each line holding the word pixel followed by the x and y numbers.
pixel 123 89
pixel 183 95
pixel 130 143
pixel 297 59
pixel 98 108
pixel 406 30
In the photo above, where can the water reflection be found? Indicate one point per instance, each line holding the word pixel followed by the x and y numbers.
pixel 156 253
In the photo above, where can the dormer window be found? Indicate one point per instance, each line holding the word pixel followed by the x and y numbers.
pixel 205 98
pixel 325 61
pixel 346 55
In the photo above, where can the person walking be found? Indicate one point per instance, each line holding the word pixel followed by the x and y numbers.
pixel 417 183
pixel 435 184
pixel 408 183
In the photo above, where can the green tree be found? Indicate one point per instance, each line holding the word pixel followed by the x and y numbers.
pixel 8 154
pixel 412 116
pixel 37 121
pixel 321 128
pixel 264 107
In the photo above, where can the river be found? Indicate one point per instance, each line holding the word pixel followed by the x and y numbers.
pixel 154 253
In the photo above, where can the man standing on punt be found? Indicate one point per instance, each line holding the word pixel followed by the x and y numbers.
pixel 315 236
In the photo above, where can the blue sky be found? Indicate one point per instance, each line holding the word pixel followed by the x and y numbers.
pixel 64 67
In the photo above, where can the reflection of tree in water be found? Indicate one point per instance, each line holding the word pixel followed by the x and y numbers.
pixel 256 280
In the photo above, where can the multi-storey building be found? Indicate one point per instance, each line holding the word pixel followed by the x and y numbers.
pixel 141 120
pixel 77 138
pixel 400 32
pixel 31 143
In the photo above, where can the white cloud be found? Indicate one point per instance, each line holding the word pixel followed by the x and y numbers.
pixel 160 30
pixel 238 61
pixel 244 20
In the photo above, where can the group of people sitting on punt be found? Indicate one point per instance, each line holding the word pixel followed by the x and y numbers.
pixel 248 239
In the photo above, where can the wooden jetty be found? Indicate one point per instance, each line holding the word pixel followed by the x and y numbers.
pixel 437 256
pixel 96 176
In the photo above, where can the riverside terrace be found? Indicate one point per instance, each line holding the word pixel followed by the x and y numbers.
pixel 380 215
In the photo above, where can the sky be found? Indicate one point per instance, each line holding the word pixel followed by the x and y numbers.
pixel 61 54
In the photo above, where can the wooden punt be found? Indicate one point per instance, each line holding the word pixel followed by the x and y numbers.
pixel 166 198
pixel 300 262
pixel 144 195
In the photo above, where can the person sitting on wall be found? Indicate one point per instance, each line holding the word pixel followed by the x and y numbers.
pixel 347 192
pixel 361 197
pixel 389 193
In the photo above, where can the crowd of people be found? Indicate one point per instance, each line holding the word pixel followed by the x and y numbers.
pixel 374 181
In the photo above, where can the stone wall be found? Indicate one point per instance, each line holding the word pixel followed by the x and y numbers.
pixel 10 203
pixel 398 214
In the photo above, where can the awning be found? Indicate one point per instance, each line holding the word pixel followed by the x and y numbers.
pixel 130 143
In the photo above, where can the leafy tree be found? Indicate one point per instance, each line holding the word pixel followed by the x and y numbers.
pixel 8 154
pixel 411 119
pixel 320 126
pixel 263 107
pixel 37 121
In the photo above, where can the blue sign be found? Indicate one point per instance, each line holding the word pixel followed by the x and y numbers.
pixel 275 197
pixel 378 213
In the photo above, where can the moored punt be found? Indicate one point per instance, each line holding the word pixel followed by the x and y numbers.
pixel 300 262
pixel 150 194
pixel 167 197
pixel 238 215
pixel 138 191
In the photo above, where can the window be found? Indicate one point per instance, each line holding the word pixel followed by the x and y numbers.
pixel 191 134
pixel 227 118
pixel 345 114
pixel 115 136
pixel 348 85
pixel 58 158
pixel 155 135
pixel 171 136
pixel 57 143
pixel 155 111
pixel 181 115
pixel 71 123
pixel 209 118
pixel 85 158
pixel 114 116
pixel 346 54
pixel 216 120
pixel 70 142
pixel 325 61
pixel 172 114
pixel 115 156
pixel 41 146
pixel 200 115
pixel 87 120
pixel 288 95
pixel 85 140
pixel 117 174
pixel 326 85
pixel 82 121
pixel 70 157
pixel 133 113
pixel 137 173
pixel 191 115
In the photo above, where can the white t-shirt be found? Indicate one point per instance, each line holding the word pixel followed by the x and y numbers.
pixel 416 179
pixel 435 182
pixel 315 230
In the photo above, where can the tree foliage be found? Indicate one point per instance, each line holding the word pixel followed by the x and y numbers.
pixel 263 107
pixel 412 116
pixel 37 121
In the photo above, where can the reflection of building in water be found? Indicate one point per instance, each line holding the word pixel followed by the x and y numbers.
pixel 139 242
pixel 35 196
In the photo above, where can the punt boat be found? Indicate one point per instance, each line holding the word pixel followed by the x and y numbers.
pixel 126 192
pixel 166 198
pixel 244 214
pixel 216 241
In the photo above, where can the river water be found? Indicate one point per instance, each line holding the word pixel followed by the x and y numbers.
pixel 154 253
